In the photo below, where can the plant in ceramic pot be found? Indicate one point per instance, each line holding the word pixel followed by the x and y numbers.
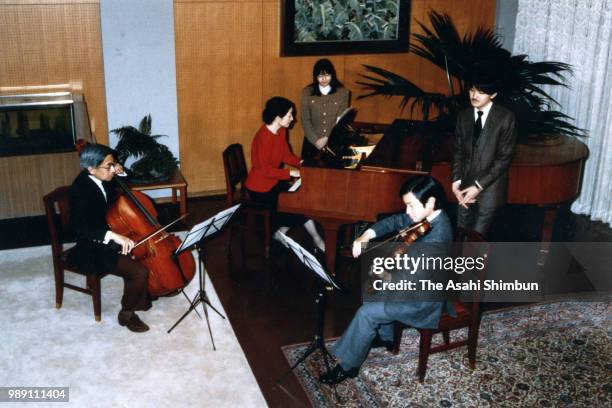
pixel 478 54
pixel 153 161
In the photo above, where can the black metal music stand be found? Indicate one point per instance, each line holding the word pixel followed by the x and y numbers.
pixel 325 284
pixel 194 240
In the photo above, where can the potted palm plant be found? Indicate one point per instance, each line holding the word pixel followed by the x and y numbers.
pixel 520 80
pixel 153 161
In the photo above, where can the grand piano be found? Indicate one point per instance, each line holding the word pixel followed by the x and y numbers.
pixel 333 196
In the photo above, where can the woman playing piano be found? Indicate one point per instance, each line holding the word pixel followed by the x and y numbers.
pixel 323 101
pixel 270 150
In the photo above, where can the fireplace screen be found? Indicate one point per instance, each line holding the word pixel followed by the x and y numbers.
pixel 36 129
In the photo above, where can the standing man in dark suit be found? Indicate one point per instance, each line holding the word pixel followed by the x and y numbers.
pixel 484 147
pixel 91 194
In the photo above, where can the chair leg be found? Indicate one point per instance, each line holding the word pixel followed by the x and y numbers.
pixel 472 343
pixel 94 285
pixel 446 336
pixel 397 337
pixel 228 242
pixel 59 287
pixel 267 234
pixel 424 347
pixel 243 225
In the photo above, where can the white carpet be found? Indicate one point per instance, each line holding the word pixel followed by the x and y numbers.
pixel 106 365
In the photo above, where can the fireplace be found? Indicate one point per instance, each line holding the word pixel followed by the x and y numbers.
pixel 37 154
pixel 40 123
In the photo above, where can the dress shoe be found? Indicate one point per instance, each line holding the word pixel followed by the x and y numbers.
pixel 132 321
pixel 336 375
pixel 378 342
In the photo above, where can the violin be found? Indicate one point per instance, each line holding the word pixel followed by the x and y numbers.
pixel 406 236
pixel 414 232
pixel 134 216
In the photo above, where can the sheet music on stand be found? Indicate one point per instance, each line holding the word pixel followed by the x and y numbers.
pixel 193 240
pixel 206 228
pixel 325 285
pixel 344 113
pixel 309 260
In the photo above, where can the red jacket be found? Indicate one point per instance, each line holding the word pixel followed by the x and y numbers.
pixel 268 153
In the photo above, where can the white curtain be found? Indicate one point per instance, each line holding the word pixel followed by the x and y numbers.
pixel 578 32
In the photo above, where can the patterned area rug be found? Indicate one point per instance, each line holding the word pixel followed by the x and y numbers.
pixel 550 355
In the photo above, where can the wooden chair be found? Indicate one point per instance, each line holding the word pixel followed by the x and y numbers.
pixel 235 176
pixel 468 315
pixel 57 207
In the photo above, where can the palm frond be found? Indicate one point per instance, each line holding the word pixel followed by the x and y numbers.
pixel 132 142
pixel 391 84
pixel 521 82
pixel 156 164
pixel 145 125
pixel 153 160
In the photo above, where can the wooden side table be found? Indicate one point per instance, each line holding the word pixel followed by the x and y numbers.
pixel 176 183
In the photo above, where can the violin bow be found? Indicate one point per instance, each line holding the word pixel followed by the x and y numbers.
pixel 154 233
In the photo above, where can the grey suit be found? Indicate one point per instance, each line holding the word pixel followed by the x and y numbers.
pixel 318 116
pixel 376 318
pixel 487 162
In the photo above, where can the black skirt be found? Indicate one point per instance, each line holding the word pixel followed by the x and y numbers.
pixel 269 199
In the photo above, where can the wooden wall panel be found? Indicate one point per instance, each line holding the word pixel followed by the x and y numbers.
pixel 42 43
pixel 26 179
pixel 209 35
pixel 53 44
pixel 219 81
pixel 46 2
pixel 286 76
pixel 406 64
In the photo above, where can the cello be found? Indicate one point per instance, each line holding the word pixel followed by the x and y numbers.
pixel 134 216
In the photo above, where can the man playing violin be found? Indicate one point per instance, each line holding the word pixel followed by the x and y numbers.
pixel 91 194
pixel 372 325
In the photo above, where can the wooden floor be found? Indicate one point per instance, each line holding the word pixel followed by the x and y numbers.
pixel 271 304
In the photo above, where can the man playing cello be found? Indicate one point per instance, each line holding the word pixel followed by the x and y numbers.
pixel 91 194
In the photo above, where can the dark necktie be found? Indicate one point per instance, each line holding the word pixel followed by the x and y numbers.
pixel 477 127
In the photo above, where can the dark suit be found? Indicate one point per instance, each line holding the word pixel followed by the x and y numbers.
pixel 485 161
pixel 88 220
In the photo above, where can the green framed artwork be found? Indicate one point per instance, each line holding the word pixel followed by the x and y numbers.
pixel 323 27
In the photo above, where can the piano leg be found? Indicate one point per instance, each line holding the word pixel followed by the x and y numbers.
pixel 550 214
pixel 331 227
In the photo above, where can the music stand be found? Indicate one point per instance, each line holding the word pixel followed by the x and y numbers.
pixel 194 239
pixel 326 283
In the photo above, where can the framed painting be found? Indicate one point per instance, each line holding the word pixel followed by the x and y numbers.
pixel 323 27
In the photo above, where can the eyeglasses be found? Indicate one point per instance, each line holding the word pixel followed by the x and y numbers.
pixel 321 76
pixel 109 166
